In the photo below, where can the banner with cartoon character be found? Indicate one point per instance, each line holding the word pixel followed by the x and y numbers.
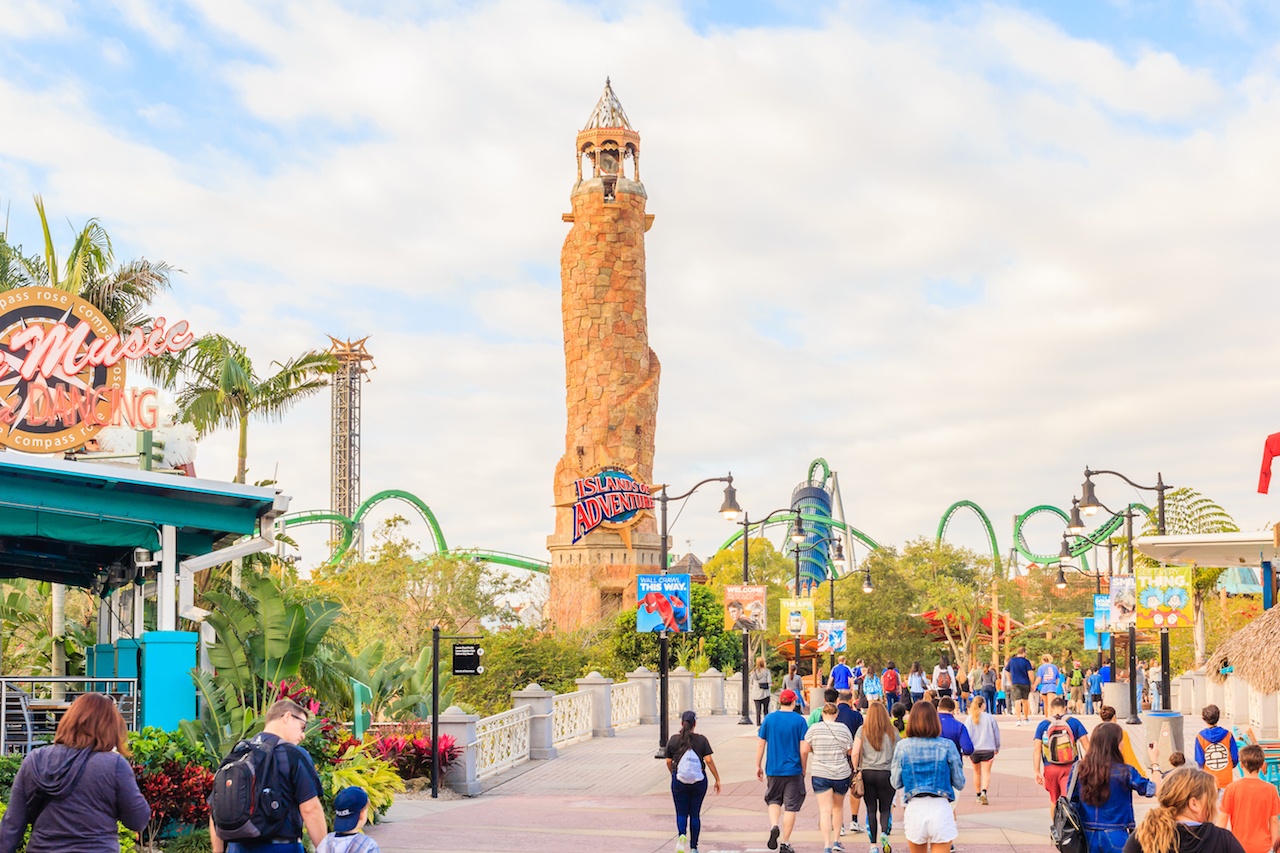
pixel 662 603
pixel 1124 602
pixel 832 634
pixel 1164 597
pixel 797 617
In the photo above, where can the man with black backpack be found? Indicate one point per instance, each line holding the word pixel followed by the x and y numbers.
pixel 1060 741
pixel 267 790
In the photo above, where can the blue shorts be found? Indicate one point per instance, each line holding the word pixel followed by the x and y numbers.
pixel 840 786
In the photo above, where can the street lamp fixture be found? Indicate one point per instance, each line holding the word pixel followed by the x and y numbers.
pixel 1090 504
pixel 729 509
pixel 1075 524
pixel 866 583
pixel 1061 582
pixel 798 535
pixel 1064 553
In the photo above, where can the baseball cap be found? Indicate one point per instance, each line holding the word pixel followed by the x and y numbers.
pixel 787 697
pixel 347 807
pixel 688 717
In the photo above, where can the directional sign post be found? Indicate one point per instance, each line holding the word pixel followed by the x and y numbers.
pixel 466 661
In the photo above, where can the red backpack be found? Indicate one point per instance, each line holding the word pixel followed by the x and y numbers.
pixel 890 681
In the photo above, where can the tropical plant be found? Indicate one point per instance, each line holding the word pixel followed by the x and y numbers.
pixel 410 753
pixel 123 292
pixel 358 768
pixel 1186 511
pixel 385 678
pixel 261 643
pixel 415 701
pixel 218 387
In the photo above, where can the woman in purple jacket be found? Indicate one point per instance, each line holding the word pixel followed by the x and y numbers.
pixel 73 792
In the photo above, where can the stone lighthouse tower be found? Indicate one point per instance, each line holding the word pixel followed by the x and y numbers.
pixel 611 376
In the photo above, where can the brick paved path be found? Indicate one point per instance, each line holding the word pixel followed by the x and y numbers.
pixel 611 794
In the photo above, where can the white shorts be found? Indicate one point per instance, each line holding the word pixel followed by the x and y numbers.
pixel 929 820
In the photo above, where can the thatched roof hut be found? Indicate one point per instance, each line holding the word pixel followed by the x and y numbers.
pixel 1253 652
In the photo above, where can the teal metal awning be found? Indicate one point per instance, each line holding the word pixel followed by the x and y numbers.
pixel 68 521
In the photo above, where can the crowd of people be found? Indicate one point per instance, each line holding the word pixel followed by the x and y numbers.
pixel 71 794
pixel 880 737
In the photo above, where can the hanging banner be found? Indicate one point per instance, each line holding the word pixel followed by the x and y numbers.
pixel 611 498
pixel 797 617
pixel 1124 603
pixel 832 635
pixel 744 608
pixel 1090 635
pixel 662 603
pixel 1102 613
pixel 1164 596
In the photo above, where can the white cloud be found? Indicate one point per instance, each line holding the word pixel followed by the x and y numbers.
pixel 807 186
pixel 21 19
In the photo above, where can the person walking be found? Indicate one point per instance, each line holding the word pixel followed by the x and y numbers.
pixel 1183 820
pixel 1019 669
pixel 780 737
pixel 1216 749
pixel 1155 675
pixel 984 734
pixel 927 769
pixel 1103 790
pixel 689 758
pixel 1059 742
pixel 1108 715
pixel 841 675
pixel 872 686
pixel 1076 683
pixel 295 781
pixel 853 720
pixel 761 689
pixel 793 682
pixel 952 729
pixel 916 683
pixel 827 751
pixel 1046 682
pixel 988 685
pixel 1250 805
pixel 944 678
pixel 873 755
pixel 891 681
pixel 73 792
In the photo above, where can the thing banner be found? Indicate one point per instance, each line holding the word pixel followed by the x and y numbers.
pixel 832 635
pixel 744 608
pixel 797 617
pixel 1164 597
pixel 1124 603
pixel 662 603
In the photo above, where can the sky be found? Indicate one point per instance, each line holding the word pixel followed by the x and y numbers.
pixel 958 250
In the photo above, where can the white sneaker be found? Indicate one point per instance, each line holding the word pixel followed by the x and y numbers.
pixel 682 844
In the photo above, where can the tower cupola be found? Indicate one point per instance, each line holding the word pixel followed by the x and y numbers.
pixel 607 142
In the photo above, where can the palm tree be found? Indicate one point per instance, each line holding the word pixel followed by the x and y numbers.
pixel 121 292
pixel 1186 511
pixel 221 388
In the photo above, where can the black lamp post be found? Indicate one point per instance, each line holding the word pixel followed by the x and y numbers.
pixel 1065 554
pixel 1089 505
pixel 729 509
pixel 745 720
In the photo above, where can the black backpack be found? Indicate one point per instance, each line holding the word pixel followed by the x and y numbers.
pixel 1067 832
pixel 245 802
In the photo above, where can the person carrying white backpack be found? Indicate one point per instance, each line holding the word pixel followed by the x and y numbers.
pixel 688 757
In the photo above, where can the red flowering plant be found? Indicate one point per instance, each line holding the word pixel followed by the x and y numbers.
pixel 408 749
pixel 175 777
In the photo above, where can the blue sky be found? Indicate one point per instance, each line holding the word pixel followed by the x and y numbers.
pixel 885 231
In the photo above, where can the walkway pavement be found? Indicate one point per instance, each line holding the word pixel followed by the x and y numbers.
pixel 611 794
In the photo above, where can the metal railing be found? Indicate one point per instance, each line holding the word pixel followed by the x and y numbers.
pixel 503 741
pixel 29 718
pixel 571 720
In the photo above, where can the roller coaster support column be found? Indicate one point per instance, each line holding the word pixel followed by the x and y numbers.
pixel 729 509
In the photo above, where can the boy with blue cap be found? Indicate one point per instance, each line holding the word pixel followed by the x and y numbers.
pixel 351 811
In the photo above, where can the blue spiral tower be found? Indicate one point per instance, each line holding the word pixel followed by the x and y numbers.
pixel 812 498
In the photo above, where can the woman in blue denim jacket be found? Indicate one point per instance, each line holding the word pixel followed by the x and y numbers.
pixel 1104 789
pixel 927 768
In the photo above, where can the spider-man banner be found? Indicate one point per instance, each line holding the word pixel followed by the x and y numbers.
pixel 662 603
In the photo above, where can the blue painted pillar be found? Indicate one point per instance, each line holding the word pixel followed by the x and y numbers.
pixel 127 650
pixel 104 666
pixel 168 694
pixel 1268 585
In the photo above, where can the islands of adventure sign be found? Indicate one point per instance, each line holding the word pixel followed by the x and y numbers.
pixel 612 499
pixel 62 370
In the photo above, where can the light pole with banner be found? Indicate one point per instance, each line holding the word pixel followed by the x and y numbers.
pixel 730 510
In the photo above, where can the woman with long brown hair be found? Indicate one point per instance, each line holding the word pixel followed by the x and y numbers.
pixel 73 792
pixel 927 768
pixel 1103 786
pixel 873 755
pixel 1183 820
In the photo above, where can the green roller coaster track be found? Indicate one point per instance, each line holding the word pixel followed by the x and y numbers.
pixel 786 518
pixel 348 527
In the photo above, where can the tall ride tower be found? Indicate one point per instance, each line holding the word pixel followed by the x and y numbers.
pixel 344 458
pixel 611 375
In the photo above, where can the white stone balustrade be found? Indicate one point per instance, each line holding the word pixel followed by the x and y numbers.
pixel 571 717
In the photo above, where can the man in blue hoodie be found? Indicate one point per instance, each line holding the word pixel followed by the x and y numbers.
pixel 1216 751
pixel 953 729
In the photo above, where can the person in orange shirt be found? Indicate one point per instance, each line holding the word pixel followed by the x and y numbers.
pixel 1250 806
pixel 1108 715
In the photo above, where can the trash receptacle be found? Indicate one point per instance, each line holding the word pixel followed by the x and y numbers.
pixel 1164 729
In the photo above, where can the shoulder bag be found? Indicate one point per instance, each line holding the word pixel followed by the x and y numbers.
pixel 856 788
pixel 1067 831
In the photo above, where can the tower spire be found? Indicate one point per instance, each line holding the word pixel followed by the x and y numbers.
pixel 608 140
